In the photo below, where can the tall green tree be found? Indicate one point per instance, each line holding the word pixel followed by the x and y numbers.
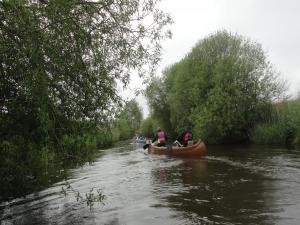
pixel 68 55
pixel 155 94
pixel 60 63
pixel 221 88
pixel 241 81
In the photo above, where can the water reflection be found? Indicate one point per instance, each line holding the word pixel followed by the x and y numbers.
pixel 186 172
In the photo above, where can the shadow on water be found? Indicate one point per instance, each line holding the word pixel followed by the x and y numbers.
pixel 34 177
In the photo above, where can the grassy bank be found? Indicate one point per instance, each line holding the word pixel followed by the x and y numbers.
pixel 280 125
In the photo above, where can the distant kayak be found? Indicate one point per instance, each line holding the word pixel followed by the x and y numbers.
pixel 198 149
pixel 140 141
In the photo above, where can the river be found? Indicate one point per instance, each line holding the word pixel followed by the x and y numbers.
pixel 232 185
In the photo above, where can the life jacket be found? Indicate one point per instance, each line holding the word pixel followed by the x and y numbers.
pixel 187 136
pixel 161 137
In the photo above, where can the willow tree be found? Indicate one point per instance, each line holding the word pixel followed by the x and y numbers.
pixel 68 55
pixel 221 86
pixel 61 61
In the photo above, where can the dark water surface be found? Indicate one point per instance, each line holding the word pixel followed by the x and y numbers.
pixel 232 185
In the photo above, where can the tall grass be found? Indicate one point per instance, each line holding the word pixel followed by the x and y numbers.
pixel 280 124
pixel 270 134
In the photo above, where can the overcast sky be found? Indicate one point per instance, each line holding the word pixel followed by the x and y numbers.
pixel 275 24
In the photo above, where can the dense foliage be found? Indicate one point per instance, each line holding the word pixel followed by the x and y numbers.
pixel 149 127
pixel 295 114
pixel 219 89
pixel 60 65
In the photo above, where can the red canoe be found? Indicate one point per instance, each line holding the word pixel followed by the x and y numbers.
pixel 198 149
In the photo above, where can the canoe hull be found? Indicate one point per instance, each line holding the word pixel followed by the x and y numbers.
pixel 198 149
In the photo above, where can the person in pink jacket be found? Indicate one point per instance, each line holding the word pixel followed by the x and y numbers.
pixel 160 137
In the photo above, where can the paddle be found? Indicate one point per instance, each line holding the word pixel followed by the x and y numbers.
pixel 169 147
pixel 178 143
pixel 146 146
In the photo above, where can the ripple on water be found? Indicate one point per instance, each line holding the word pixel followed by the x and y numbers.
pixel 225 188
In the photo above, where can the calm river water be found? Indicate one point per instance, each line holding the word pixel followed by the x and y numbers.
pixel 232 185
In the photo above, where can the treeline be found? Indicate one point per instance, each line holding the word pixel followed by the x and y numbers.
pixel 227 91
pixel 62 63
pixel 128 121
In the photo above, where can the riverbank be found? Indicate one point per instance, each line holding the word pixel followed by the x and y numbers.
pixel 27 166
